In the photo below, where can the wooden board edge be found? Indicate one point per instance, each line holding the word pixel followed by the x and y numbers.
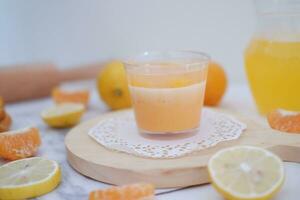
pixel 115 176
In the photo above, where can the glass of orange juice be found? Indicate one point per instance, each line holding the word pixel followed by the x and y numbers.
pixel 272 58
pixel 167 90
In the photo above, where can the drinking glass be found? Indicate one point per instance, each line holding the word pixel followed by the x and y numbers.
pixel 167 90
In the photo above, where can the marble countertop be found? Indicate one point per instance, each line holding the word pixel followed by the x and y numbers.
pixel 75 186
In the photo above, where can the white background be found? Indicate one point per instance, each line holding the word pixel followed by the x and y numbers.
pixel 75 32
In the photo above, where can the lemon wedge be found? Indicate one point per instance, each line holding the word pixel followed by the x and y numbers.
pixel 246 173
pixel 28 178
pixel 63 115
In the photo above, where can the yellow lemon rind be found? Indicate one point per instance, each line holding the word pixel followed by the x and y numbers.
pixel 32 190
pixel 229 194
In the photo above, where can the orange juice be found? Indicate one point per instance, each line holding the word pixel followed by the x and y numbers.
pixel 273 69
pixel 167 98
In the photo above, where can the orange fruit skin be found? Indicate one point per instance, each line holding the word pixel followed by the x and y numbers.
pixel 216 84
pixel 5 123
pixel 137 191
pixel 19 145
pixel 62 96
pixel 285 123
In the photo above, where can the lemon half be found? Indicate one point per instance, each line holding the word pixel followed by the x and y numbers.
pixel 28 178
pixel 63 115
pixel 246 173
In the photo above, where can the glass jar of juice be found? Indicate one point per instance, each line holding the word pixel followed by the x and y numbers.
pixel 272 58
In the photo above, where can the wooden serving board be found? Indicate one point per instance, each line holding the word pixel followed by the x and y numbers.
pixel 93 160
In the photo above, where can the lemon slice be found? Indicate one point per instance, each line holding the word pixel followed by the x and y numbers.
pixel 28 178
pixel 246 173
pixel 63 115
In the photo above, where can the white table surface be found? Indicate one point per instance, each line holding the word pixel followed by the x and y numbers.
pixel 76 187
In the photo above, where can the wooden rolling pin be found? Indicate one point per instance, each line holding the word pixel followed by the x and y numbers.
pixel 24 82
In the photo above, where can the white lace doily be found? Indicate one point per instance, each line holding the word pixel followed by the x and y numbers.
pixel 119 132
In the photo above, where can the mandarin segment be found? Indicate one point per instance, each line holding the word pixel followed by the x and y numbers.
pixel 283 120
pixel 5 123
pixel 63 96
pixel 19 144
pixel 139 191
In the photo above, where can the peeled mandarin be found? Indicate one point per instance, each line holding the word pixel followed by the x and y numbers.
pixel 73 96
pixel 127 192
pixel 19 144
pixel 284 120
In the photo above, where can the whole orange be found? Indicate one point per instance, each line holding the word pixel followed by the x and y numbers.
pixel 215 85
